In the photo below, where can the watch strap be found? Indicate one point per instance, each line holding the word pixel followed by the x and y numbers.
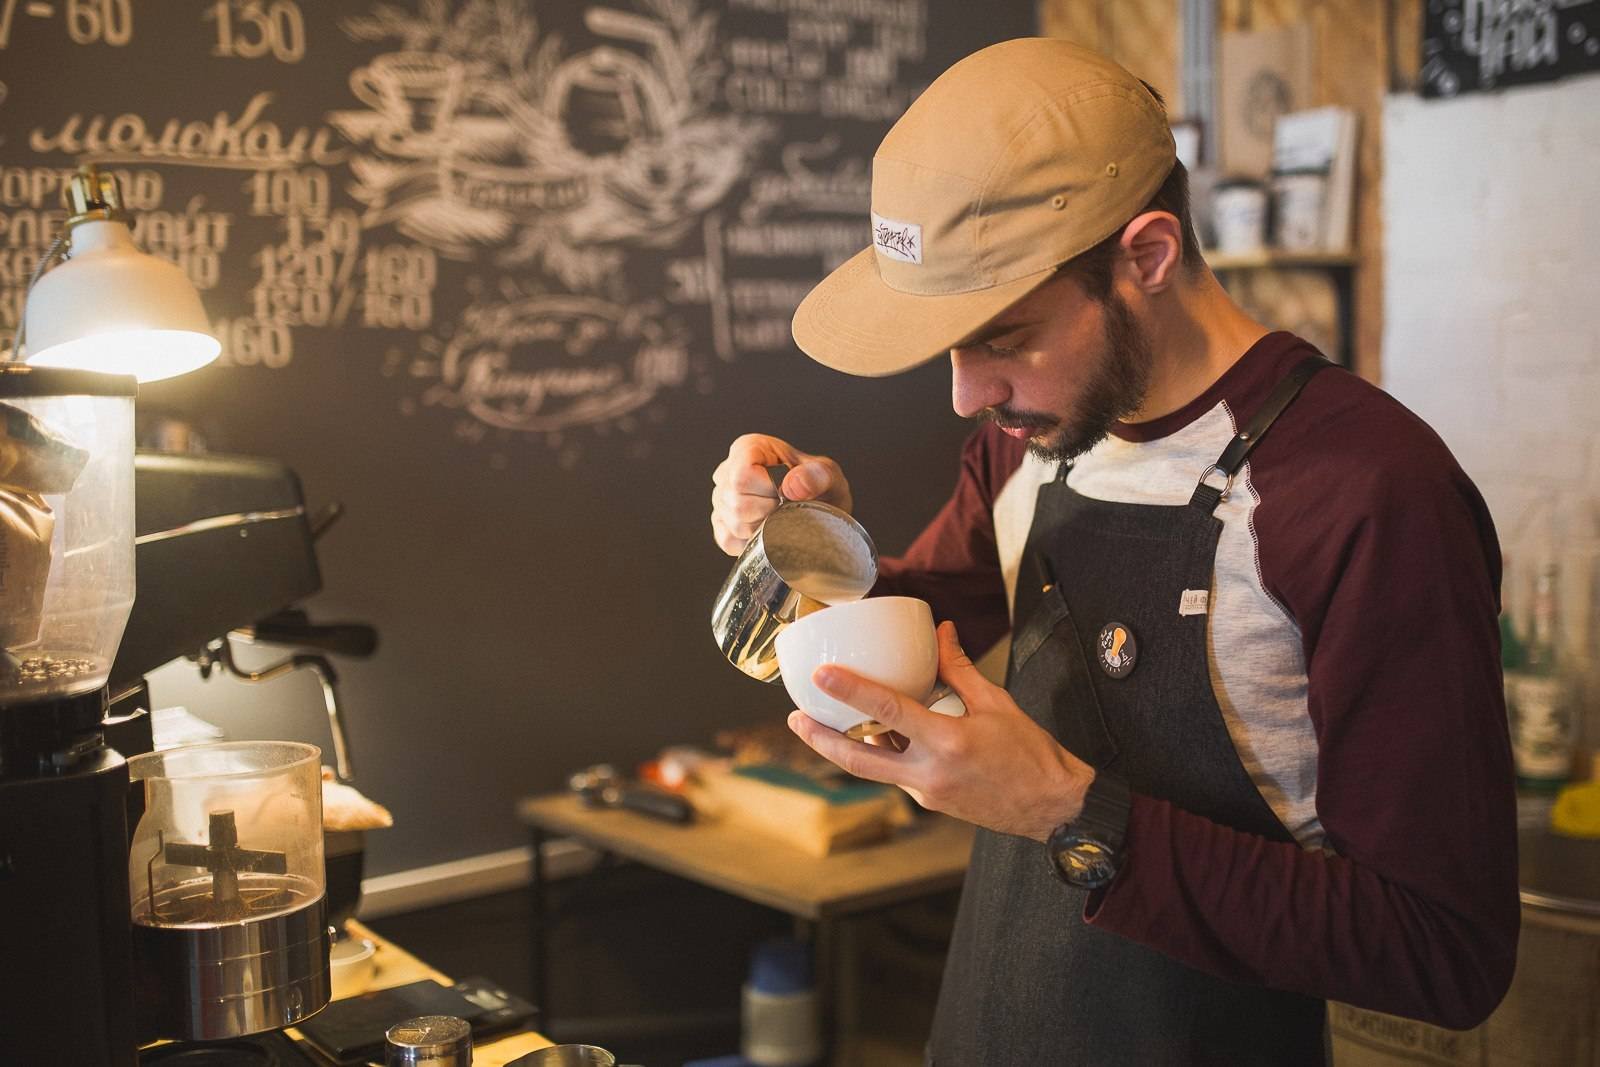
pixel 1087 852
pixel 1106 806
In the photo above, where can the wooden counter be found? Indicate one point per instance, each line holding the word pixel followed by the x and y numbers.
pixel 395 966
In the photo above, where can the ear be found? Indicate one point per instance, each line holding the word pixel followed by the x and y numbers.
pixel 1152 246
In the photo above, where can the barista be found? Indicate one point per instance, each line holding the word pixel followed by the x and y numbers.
pixel 1251 753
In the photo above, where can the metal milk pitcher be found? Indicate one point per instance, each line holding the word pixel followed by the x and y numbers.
pixel 805 555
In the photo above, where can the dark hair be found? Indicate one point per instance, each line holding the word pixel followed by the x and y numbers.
pixel 1093 269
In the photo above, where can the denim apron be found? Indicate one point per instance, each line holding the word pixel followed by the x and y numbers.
pixel 1027 981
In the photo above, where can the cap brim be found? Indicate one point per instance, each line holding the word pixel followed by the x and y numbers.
pixel 855 323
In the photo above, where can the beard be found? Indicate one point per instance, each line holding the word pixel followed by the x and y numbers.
pixel 1114 389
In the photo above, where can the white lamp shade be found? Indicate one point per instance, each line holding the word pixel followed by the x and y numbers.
pixel 114 309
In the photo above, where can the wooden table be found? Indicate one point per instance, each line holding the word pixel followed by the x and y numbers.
pixel 928 857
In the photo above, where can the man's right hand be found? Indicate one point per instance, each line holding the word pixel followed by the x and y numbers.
pixel 742 495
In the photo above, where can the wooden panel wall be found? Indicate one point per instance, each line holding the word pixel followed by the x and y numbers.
pixel 1142 35
pixel 1364 48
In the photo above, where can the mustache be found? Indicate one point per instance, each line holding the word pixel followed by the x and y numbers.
pixel 1010 419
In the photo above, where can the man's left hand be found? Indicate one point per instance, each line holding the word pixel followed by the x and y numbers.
pixel 994 766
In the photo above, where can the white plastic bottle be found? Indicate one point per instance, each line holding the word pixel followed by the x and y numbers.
pixel 781 1024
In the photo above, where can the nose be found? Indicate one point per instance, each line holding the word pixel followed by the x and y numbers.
pixel 974 382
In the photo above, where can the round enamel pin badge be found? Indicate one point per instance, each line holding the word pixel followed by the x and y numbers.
pixel 1118 650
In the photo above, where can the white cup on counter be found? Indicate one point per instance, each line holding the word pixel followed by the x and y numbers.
pixel 889 639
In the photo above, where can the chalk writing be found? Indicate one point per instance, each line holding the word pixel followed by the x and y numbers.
pixel 38 187
pixel 248 141
pixel 549 363
pixel 251 29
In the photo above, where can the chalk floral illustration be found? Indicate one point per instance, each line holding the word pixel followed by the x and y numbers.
pixel 483 132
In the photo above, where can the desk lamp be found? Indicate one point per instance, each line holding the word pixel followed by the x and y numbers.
pixel 110 307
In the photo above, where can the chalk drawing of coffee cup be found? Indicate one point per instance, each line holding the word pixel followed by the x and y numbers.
pixel 417 92
pixel 606 100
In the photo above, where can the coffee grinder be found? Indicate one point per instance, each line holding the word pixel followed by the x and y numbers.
pixel 66 587
pixel 229 851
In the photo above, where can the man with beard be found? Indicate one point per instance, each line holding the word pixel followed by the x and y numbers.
pixel 1251 752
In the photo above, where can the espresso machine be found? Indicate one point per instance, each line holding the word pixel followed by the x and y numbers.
pixel 177 895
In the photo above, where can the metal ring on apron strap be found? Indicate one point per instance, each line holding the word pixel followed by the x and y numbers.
pixel 1214 469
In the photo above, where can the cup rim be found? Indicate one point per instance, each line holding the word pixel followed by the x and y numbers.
pixel 853 606
pixel 278 759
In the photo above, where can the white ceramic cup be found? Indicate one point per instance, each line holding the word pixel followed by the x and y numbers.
pixel 889 639
pixel 1239 216
pixel 352 966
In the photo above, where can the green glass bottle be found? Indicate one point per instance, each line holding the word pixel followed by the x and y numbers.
pixel 1541 696
pixel 1511 650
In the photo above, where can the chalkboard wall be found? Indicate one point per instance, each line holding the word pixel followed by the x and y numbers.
pixel 504 279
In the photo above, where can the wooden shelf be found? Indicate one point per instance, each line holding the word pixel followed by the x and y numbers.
pixel 1274 258
pixel 1338 268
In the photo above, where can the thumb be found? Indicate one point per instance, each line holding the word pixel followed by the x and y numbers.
pixel 807 481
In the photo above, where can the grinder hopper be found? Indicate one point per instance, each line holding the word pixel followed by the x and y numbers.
pixel 227 883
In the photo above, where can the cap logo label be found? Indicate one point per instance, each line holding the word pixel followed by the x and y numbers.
pixel 897 240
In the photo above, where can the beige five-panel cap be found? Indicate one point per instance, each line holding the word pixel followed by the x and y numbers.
pixel 1015 160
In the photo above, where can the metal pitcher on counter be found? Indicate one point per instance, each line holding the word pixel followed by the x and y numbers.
pixel 805 556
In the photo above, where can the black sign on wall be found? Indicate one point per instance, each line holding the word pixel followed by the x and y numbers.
pixel 504 277
pixel 1474 45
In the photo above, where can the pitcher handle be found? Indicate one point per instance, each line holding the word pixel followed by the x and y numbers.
pixel 777 472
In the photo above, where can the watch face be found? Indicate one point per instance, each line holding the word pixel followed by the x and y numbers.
pixel 1085 862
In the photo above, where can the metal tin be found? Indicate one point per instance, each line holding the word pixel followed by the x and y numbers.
pixel 567 1056
pixel 1559 873
pixel 429 1041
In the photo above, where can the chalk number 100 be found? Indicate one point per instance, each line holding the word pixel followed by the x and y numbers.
pixel 250 29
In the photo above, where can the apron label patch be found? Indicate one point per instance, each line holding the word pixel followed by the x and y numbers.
pixel 1117 650
pixel 1194 602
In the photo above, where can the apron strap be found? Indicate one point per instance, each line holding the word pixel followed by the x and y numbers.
pixel 1207 497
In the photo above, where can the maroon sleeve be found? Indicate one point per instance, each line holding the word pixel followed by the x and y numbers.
pixel 1384 554
pixel 953 564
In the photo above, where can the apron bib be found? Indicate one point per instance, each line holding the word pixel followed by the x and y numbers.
pixel 1112 659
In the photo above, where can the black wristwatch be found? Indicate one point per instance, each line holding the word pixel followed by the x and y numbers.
pixel 1087 852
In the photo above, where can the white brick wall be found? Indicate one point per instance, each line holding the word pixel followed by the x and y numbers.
pixel 1492 313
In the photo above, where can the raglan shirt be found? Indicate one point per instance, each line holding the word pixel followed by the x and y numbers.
pixel 1354 652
